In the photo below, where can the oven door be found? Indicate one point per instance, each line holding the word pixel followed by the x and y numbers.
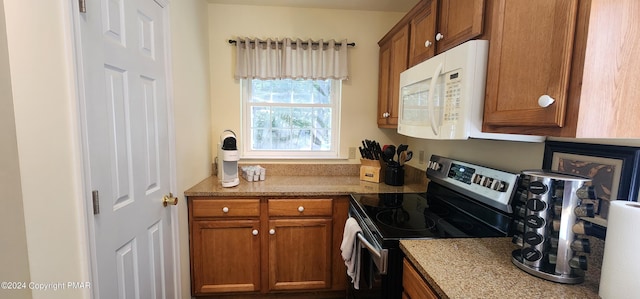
pixel 373 262
pixel 377 255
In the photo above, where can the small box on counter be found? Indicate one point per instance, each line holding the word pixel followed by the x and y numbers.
pixel 371 171
pixel 253 173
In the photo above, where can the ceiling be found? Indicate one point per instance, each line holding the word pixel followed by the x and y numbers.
pixel 374 5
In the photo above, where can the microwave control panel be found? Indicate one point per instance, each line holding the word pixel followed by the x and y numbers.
pixel 452 96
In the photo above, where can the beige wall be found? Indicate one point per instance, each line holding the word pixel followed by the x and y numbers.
pixel 45 138
pixel 41 67
pixel 14 258
pixel 190 48
pixel 359 94
pixel 506 155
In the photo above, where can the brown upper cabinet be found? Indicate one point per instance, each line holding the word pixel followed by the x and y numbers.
pixel 430 28
pixel 563 68
pixel 457 21
pixel 393 60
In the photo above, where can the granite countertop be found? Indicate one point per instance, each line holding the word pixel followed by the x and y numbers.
pixel 310 185
pixel 482 268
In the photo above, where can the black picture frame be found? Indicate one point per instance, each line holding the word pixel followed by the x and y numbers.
pixel 627 157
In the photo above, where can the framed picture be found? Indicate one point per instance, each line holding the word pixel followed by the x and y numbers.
pixel 613 170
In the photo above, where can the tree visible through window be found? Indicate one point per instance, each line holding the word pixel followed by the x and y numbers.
pixel 291 118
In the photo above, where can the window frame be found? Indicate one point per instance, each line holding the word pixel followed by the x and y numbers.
pixel 245 124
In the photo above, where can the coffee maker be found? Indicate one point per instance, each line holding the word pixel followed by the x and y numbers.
pixel 228 159
pixel 548 207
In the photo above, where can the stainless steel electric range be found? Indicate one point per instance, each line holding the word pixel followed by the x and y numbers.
pixel 462 200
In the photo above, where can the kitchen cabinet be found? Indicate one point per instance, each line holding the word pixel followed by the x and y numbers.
pixel 442 25
pixel 414 287
pixel 563 68
pixel 431 27
pixel 262 247
pixel 393 61
pixel 422 28
pixel 224 236
pixel 300 244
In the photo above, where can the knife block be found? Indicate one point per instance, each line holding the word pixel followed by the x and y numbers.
pixel 371 171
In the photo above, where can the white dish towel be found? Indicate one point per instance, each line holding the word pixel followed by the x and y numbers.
pixel 350 248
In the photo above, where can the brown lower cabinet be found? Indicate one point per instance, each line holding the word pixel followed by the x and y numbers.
pixel 414 287
pixel 264 247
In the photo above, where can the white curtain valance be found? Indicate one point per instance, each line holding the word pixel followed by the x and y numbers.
pixel 291 59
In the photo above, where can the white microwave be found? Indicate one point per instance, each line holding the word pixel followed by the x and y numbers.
pixel 454 109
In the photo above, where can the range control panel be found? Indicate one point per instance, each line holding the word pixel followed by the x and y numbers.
pixel 490 186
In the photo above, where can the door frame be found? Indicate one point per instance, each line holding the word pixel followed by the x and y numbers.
pixel 88 236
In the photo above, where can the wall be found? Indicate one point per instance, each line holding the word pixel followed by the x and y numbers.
pixel 45 138
pixel 359 93
pixel 41 64
pixel 192 110
pixel 14 258
pixel 506 155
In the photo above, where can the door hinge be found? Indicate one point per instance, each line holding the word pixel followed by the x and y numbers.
pixel 96 202
pixel 82 6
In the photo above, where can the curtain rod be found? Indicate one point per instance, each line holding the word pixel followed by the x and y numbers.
pixel 304 43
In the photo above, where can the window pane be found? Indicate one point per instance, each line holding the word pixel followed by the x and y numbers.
pixel 281 92
pixel 260 117
pixel 281 117
pixel 321 92
pixel 321 140
pixel 322 118
pixel 302 91
pixel 302 118
pixel 260 139
pixel 261 91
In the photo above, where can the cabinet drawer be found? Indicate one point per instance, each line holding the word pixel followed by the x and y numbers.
pixel 300 207
pixel 226 208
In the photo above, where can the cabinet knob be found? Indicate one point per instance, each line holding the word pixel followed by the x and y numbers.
pixel 300 209
pixel 385 115
pixel 272 231
pixel 428 44
pixel 439 36
pixel 225 210
pixel 545 101
pixel 255 232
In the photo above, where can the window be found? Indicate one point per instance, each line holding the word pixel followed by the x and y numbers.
pixel 290 118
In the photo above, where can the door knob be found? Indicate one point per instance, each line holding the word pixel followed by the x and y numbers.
pixel 169 200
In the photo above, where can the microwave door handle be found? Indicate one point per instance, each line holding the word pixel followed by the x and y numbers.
pixel 432 91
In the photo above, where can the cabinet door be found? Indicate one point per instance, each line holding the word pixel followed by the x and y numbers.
pixel 423 31
pixel 225 256
pixel 530 56
pixel 384 75
pixel 414 287
pixel 458 22
pixel 388 98
pixel 300 254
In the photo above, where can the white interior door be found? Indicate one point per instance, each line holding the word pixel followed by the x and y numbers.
pixel 127 136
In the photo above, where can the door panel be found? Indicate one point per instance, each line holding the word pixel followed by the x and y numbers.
pixel 300 254
pixel 127 133
pixel 530 56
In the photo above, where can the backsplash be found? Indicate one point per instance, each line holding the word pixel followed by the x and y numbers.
pixel 412 174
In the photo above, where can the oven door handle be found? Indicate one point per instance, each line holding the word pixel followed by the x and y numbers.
pixel 380 255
